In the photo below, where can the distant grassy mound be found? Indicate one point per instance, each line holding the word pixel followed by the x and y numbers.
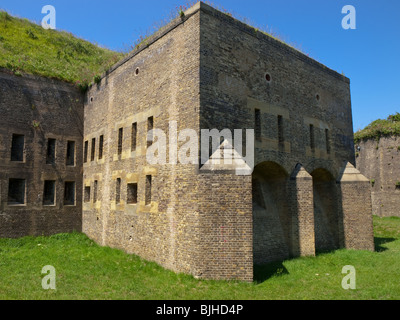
pixel 380 128
pixel 25 47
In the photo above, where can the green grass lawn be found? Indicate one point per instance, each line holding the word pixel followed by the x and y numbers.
pixel 85 270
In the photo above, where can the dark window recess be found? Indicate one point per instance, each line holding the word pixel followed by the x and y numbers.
pixel 49 193
pixel 16 191
pixel 257 128
pixel 148 190
pixel 312 137
pixel 95 191
pixel 17 147
pixel 118 191
pixel 328 141
pixel 51 151
pixel 120 139
pixel 85 152
pixel 281 138
pixel 132 193
pixel 69 194
pixel 134 137
pixel 86 197
pixel 70 161
pixel 93 149
pixel 101 146
pixel 150 126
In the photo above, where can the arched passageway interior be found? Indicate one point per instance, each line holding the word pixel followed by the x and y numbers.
pixel 326 213
pixel 271 219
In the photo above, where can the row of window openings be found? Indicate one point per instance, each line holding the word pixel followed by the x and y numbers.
pixel 150 126
pixel 17 192
pixel 131 192
pixel 281 133
pixel 18 146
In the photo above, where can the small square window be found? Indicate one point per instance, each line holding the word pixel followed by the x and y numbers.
pixel 132 193
pixel 16 191
pixel 17 147
pixel 86 197
pixel 70 161
pixel 49 193
pixel 51 151
pixel 69 193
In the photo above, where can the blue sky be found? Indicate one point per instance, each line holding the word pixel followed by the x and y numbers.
pixel 369 55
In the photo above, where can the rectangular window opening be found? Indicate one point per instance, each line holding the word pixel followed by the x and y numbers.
pixel 257 128
pixel 17 147
pixel 120 139
pixel 86 197
pixel 69 193
pixel 328 142
pixel 118 191
pixel 95 191
pixel 49 193
pixel 281 138
pixel 148 190
pixel 85 152
pixel 132 193
pixel 16 191
pixel 93 149
pixel 51 151
pixel 150 126
pixel 70 161
pixel 134 137
pixel 312 137
pixel 101 145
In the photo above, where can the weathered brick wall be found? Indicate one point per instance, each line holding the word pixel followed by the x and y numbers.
pixel 356 225
pixel 158 80
pixel 249 79
pixel 379 162
pixel 39 109
pixel 209 71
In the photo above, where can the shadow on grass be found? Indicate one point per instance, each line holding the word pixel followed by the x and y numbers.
pixel 381 241
pixel 265 272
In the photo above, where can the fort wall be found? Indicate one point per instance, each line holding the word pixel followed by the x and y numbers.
pixel 41 129
pixel 379 162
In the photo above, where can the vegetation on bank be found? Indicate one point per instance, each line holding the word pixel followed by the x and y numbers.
pixel 26 47
pixel 380 128
pixel 85 270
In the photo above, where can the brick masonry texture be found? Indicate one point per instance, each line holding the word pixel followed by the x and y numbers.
pixel 39 109
pixel 210 71
pixel 379 162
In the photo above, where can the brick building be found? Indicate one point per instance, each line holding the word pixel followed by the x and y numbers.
pixel 41 130
pixel 378 160
pixel 206 70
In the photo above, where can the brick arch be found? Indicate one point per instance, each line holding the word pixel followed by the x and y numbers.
pixel 271 218
pixel 318 165
pixel 326 210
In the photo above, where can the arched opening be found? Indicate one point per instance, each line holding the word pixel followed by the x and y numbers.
pixel 271 219
pixel 326 213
